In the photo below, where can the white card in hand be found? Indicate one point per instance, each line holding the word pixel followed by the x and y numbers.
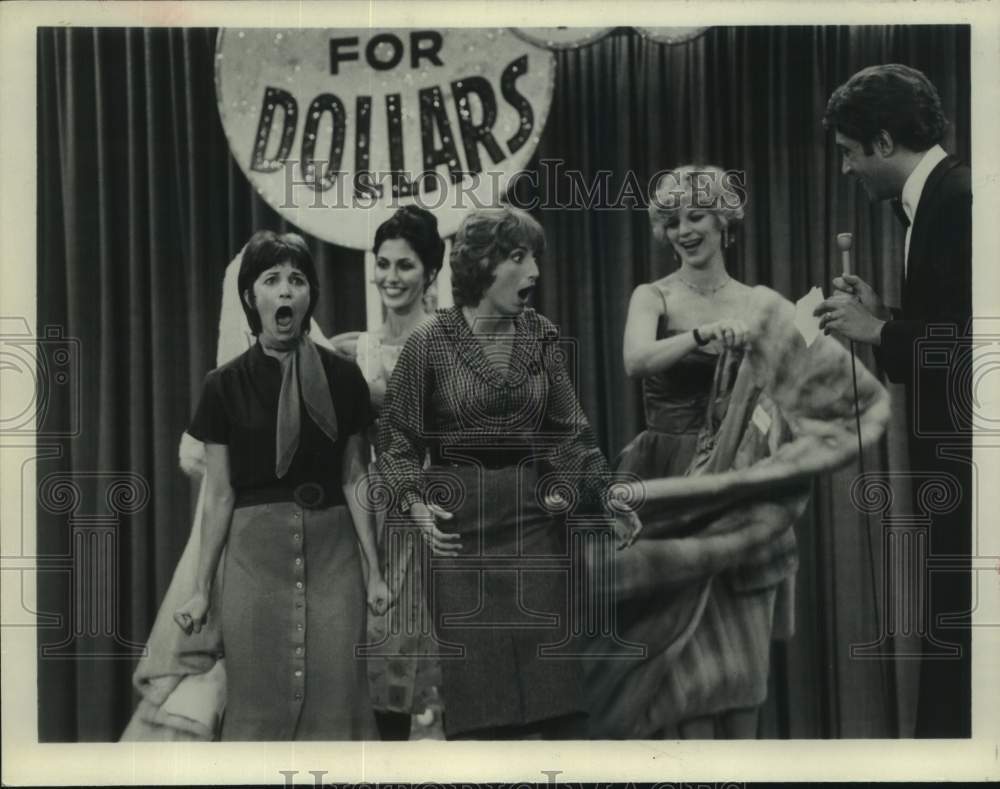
pixel 761 419
pixel 805 321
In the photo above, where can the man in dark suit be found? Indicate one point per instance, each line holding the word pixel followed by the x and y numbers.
pixel 887 122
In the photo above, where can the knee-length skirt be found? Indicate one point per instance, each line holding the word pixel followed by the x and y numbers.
pixel 501 609
pixel 293 614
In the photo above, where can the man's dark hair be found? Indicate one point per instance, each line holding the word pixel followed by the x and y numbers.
pixel 896 98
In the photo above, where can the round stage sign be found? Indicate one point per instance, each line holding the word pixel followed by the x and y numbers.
pixel 337 128
pixel 562 37
pixel 671 35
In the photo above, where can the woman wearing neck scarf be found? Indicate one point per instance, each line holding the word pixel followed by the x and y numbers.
pixel 284 430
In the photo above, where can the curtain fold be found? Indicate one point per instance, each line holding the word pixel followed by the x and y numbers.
pixel 141 206
pixel 750 99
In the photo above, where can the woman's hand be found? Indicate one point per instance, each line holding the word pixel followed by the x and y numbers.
pixel 425 516
pixel 731 333
pixel 625 522
pixel 379 597
pixel 192 615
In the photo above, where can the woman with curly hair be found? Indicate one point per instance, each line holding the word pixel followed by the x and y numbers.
pixel 678 324
pixel 482 388
pixel 684 337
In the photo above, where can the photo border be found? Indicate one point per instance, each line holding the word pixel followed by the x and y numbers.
pixel 27 762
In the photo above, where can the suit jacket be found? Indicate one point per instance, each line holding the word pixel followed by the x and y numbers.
pixel 938 284
pixel 938 290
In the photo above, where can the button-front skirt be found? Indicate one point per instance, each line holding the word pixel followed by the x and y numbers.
pixel 293 610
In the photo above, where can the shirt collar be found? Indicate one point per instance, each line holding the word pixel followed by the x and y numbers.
pixel 261 360
pixel 914 186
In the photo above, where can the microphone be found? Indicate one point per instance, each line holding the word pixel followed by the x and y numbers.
pixel 844 242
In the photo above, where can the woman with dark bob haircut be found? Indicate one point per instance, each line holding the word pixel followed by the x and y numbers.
pixel 286 456
pixel 482 388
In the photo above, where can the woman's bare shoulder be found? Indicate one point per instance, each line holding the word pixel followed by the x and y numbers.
pixel 653 295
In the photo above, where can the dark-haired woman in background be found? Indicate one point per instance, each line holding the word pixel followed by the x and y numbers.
pixel 482 388
pixel 286 461
pixel 402 669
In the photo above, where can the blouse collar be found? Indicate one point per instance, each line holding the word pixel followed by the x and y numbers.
pixel 474 355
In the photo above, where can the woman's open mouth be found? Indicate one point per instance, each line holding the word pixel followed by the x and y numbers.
pixel 525 293
pixel 284 318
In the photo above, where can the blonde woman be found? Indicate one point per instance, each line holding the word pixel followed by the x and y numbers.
pixel 683 338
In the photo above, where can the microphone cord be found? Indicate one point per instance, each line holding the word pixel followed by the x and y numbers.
pixel 868 531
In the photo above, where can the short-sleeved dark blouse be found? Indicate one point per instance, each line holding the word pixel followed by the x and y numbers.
pixel 239 408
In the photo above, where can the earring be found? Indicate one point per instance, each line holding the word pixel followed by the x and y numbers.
pixel 725 236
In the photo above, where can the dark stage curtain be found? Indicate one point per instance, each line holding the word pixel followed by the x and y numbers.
pixel 141 207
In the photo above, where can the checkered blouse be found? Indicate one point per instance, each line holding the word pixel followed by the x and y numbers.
pixel 446 394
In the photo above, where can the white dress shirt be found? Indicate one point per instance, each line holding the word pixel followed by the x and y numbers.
pixel 913 188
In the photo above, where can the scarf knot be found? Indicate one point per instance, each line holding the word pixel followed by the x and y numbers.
pixel 303 380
